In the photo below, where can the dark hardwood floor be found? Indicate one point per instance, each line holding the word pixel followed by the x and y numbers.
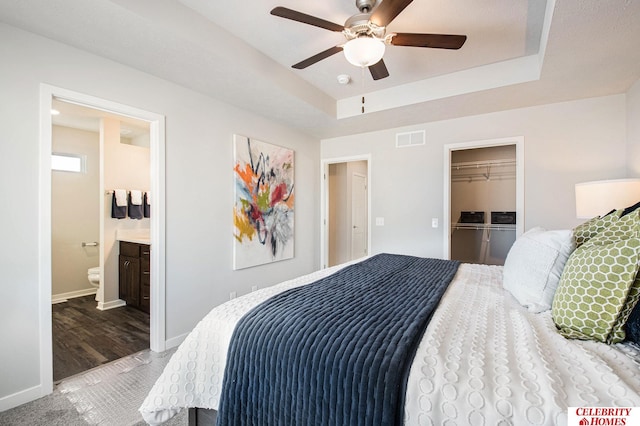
pixel 85 337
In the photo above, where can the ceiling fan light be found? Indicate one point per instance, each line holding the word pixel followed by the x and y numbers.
pixel 364 51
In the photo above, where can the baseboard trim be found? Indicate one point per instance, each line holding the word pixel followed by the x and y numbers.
pixel 63 297
pixel 175 341
pixel 105 306
pixel 22 397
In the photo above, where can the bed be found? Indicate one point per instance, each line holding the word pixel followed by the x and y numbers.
pixel 495 350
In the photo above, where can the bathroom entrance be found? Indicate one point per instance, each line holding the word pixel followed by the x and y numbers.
pixel 89 148
pixel 92 151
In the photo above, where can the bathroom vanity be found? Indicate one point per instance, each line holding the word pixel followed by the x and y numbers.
pixel 134 274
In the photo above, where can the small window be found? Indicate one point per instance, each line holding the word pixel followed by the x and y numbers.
pixel 67 163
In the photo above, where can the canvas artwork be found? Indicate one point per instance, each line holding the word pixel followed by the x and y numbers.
pixel 264 203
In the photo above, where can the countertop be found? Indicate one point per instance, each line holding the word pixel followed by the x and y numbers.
pixel 140 236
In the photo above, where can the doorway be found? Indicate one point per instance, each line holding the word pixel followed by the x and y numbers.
pixel 91 325
pixel 480 226
pixel 49 95
pixel 346 210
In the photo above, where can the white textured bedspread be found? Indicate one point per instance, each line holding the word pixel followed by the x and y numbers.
pixel 484 360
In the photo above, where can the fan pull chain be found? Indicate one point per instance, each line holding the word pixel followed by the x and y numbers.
pixel 362 79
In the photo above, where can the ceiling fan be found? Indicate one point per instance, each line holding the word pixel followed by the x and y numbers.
pixel 366 35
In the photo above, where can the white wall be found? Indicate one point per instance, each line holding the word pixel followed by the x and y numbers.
pixel 565 143
pixel 633 130
pixel 199 192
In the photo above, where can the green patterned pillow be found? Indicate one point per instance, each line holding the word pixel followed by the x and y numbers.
pixel 584 232
pixel 598 287
pixel 629 225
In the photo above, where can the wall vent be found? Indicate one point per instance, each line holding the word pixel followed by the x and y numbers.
pixel 407 139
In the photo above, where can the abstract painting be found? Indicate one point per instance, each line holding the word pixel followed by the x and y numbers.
pixel 264 203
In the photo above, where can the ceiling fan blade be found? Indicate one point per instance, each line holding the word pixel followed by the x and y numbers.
pixel 387 10
pixel 283 12
pixel 317 58
pixel 379 70
pixel 438 41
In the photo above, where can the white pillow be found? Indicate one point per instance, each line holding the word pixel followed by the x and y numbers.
pixel 534 265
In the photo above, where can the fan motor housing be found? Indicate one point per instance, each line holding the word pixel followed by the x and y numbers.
pixel 365 5
pixel 358 23
pixel 361 25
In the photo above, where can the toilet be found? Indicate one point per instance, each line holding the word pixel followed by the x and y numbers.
pixel 93 274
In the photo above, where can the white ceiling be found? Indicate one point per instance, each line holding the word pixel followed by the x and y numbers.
pixel 495 33
pixel 518 53
pixel 89 119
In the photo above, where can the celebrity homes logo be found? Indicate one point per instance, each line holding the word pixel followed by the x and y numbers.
pixel 603 416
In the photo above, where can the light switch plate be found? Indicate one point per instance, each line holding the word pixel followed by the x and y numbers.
pixel 434 222
pixel 379 221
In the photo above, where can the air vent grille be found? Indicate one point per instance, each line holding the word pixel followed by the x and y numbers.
pixel 407 139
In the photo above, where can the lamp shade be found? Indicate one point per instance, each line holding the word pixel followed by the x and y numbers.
pixel 364 51
pixel 599 197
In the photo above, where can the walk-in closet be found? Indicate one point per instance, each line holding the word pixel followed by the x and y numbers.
pixel 483 204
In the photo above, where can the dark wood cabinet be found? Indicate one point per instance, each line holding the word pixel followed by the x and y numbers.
pixel 134 274
pixel 145 277
pixel 130 280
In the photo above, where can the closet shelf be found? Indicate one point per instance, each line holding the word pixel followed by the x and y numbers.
pixel 477 177
pixel 482 226
pixel 483 170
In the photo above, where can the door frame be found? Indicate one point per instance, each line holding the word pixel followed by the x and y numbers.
pixel 157 221
pixel 518 141
pixel 324 202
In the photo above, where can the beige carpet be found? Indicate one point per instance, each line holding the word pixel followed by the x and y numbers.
pixel 108 395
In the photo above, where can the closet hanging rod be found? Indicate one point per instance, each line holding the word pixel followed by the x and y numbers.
pixel 111 191
pixel 483 226
pixel 478 164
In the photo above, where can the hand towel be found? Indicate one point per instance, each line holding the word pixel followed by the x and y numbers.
pixel 136 197
pixel 121 197
pixel 117 212
pixel 135 210
pixel 147 204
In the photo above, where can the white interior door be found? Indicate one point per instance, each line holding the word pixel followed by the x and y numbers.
pixel 358 216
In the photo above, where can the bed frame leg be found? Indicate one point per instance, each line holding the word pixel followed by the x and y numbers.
pixel 193 417
pixel 202 417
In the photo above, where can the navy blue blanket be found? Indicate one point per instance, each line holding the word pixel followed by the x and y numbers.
pixel 334 352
